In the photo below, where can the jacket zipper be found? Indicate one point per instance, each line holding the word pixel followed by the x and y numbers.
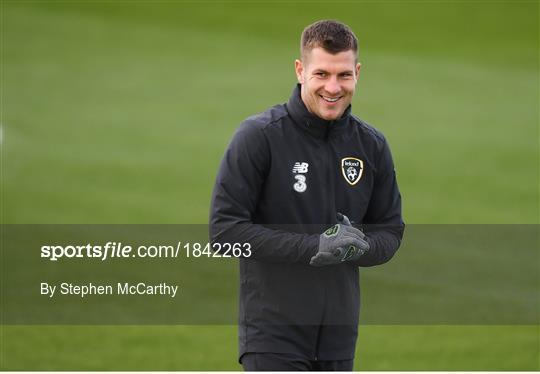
pixel 330 175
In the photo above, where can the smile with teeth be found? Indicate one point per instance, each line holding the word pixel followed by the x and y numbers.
pixel 330 99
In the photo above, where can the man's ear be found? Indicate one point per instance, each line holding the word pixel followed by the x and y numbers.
pixel 358 66
pixel 299 70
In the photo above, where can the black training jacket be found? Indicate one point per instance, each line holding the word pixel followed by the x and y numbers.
pixel 283 178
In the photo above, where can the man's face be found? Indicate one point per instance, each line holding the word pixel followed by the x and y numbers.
pixel 328 81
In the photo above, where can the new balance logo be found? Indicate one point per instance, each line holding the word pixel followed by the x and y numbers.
pixel 300 167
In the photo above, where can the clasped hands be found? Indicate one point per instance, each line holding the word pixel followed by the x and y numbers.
pixel 341 242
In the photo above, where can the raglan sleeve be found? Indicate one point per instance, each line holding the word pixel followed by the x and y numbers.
pixel 383 222
pixel 239 182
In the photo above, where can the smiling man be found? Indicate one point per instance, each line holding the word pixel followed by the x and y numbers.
pixel 327 73
pixel 313 191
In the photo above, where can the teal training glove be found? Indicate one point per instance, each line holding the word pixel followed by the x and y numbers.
pixel 340 243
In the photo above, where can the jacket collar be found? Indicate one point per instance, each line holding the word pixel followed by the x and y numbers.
pixel 314 125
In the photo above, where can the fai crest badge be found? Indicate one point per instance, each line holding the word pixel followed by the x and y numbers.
pixel 352 169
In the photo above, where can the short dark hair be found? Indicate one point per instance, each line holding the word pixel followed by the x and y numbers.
pixel 333 36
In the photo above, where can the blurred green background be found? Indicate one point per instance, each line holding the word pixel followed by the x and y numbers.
pixel 120 112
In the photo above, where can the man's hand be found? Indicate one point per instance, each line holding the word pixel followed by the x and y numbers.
pixel 339 243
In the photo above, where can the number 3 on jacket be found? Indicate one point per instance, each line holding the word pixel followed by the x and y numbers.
pixel 300 185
